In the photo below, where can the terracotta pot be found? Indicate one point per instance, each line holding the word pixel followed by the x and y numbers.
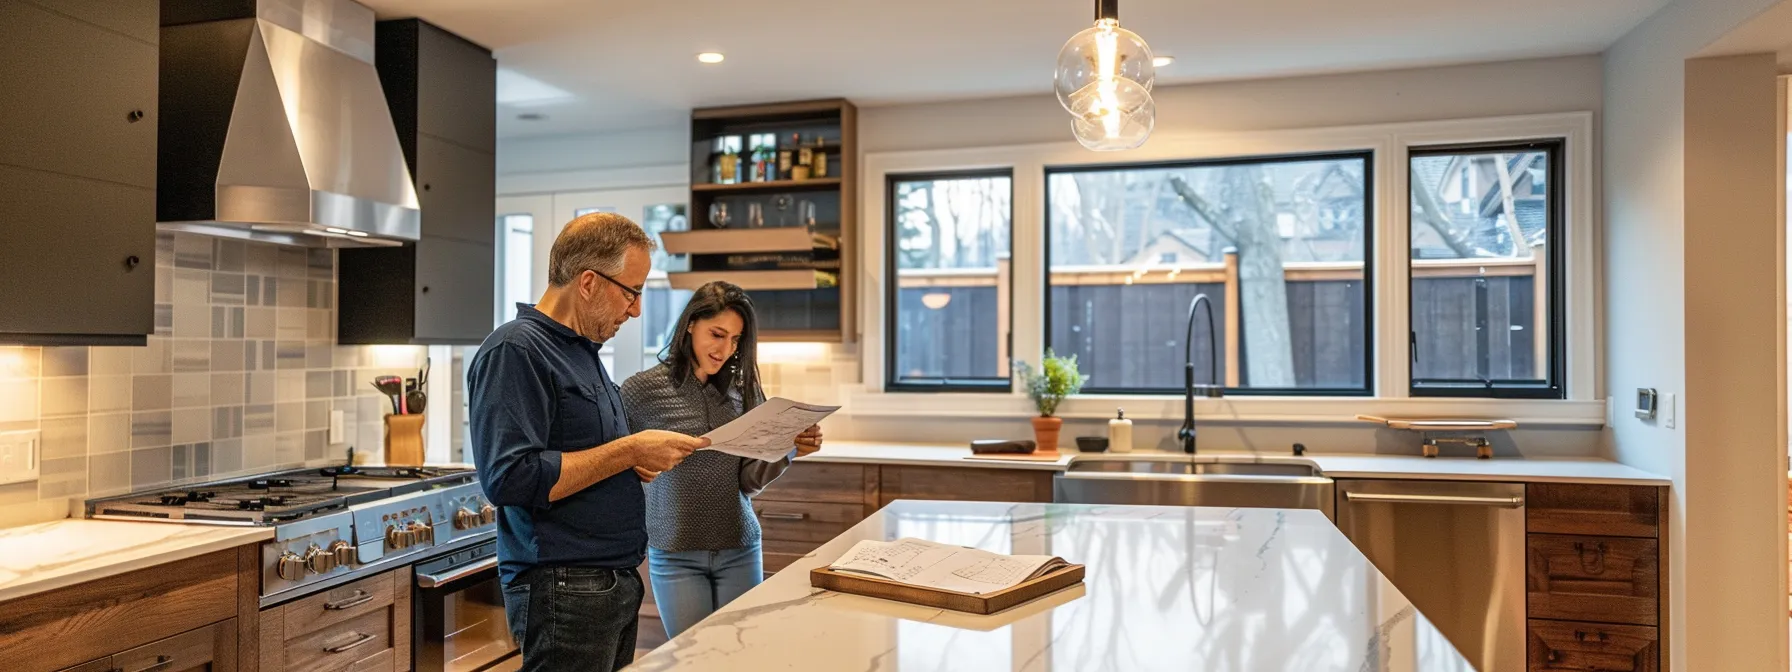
pixel 1045 433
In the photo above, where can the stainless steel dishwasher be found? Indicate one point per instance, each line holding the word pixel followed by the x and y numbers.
pixel 1456 550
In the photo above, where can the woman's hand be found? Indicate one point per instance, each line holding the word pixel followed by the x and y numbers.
pixel 646 476
pixel 809 441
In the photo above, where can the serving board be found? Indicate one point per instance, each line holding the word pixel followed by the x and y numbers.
pixel 987 603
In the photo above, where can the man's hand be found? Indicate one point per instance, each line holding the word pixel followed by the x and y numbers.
pixel 809 441
pixel 657 451
pixel 645 475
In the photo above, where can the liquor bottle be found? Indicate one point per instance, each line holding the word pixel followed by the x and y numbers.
pixel 820 155
pixel 731 164
pixel 804 155
pixel 769 144
pixel 784 162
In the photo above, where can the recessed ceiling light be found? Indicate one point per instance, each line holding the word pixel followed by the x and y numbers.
pixel 711 57
pixel 531 116
pixel 1162 61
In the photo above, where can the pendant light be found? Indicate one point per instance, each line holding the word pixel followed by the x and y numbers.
pixel 1104 78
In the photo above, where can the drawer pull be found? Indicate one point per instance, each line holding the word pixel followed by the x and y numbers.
pixel 1582 635
pixel 768 515
pixel 161 662
pixel 359 598
pixel 365 638
pixel 1597 564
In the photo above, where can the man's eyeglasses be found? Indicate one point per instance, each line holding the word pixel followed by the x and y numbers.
pixel 634 295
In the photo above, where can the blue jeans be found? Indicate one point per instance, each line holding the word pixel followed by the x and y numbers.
pixel 688 586
pixel 573 619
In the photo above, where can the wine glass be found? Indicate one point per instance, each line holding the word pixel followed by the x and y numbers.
pixel 755 216
pixel 718 214
pixel 781 203
pixel 806 211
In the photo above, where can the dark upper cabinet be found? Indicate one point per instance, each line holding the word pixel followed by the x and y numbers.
pixel 78 158
pixel 442 91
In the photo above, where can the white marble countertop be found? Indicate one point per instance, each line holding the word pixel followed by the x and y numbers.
pixel 1335 465
pixel 1167 588
pixel 46 556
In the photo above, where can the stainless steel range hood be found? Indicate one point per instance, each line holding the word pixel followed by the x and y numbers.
pixel 274 127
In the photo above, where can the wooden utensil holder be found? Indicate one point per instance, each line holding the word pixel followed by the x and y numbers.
pixel 404 440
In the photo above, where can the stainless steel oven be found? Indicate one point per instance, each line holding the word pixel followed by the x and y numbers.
pixel 458 612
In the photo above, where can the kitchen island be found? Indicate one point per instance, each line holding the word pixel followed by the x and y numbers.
pixel 1167 588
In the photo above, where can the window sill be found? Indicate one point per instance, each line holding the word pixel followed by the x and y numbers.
pixel 1528 413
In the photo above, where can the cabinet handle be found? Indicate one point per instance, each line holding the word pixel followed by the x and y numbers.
pixel 365 638
pixel 161 662
pixel 426 186
pixel 426 289
pixel 768 515
pixel 360 597
pixel 1597 564
pixel 130 262
pixel 134 116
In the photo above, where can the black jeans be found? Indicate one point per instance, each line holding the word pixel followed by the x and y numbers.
pixel 571 619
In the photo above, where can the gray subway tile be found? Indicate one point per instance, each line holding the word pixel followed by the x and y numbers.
pixel 62 478
pixel 191 288
pixel 165 249
pixel 343 384
pixel 164 316
pixel 191 425
pixel 229 255
pixel 164 284
pixel 65 361
pixel 290 355
pixel 229 389
pixel 155 357
pixel 220 320
pixel 294 293
pixel 109 433
pixel 252 290
pixel 193 251
pixel 290 324
pixel 192 320
pixel 258 419
pixel 202 459
pixel 108 474
pixel 227 289
pixel 235 325
pixel 292 263
pixel 227 422
pixel 262 259
pixel 108 394
pixel 317 443
pixel 259 323
pixel 21 395
pixel 192 390
pixel 152 467
pixel 110 361
pixel 270 356
pixel 227 456
pixel 63 438
pixel 258 452
pixel 291 386
pixel 289 448
pixel 63 396
pixel 317 415
pixel 263 387
pixel 318 325
pixel 318 355
pixel 321 262
pixel 226 355
pixel 251 355
pixel 182 460
pixel 152 392
pixel 318 384
pixel 289 417
pixel 192 355
pixel 151 429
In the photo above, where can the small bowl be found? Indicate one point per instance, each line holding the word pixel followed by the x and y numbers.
pixel 1092 444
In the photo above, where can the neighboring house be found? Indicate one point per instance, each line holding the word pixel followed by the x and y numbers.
pixel 1468 189
pixel 1175 247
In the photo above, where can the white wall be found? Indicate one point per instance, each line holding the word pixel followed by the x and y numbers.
pixel 1671 293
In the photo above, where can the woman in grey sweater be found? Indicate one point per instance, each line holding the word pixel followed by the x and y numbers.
pixel 702 536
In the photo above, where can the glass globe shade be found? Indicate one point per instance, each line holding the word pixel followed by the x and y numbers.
pixel 1104 51
pixel 1115 130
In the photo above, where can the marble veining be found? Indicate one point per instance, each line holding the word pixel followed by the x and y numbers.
pixel 46 556
pixel 1167 588
pixel 1335 465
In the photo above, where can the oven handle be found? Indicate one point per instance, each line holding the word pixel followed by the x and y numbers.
pixel 456 574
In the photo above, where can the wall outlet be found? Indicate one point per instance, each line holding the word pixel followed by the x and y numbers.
pixel 18 456
pixel 336 426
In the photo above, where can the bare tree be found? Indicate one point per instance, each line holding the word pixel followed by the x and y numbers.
pixel 1430 211
pixel 1248 221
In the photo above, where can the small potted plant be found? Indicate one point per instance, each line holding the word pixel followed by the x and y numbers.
pixel 1056 379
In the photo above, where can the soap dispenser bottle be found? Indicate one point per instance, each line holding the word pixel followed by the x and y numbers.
pixel 1120 433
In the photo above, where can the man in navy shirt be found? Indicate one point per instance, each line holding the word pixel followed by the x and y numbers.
pixel 553 452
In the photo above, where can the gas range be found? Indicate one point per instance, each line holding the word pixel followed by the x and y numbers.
pixel 331 525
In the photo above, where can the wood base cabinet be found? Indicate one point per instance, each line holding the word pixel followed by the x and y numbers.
pixel 1595 577
pixel 361 626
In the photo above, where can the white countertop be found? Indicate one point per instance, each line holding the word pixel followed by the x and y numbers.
pixel 1335 465
pixel 46 556
pixel 1167 588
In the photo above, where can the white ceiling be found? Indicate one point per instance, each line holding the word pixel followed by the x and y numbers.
pixel 609 65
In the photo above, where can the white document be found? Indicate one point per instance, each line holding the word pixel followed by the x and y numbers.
pixel 942 566
pixel 768 432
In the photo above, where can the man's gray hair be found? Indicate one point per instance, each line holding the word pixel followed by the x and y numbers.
pixel 598 241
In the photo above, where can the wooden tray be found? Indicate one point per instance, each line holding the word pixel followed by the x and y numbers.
pixel 988 603
pixel 1440 425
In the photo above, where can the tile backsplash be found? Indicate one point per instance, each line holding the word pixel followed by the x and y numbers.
pixel 240 377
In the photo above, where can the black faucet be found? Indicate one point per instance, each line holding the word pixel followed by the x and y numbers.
pixel 1214 390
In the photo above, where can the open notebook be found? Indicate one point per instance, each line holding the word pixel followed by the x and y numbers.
pixel 939 566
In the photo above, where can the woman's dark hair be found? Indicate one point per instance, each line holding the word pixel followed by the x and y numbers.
pixel 742 370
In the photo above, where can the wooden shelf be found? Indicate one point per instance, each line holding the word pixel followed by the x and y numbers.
pixel 751 187
pixel 800 336
pixel 732 241
pixel 783 279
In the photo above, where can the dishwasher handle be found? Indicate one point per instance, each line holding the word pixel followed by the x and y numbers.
pixel 1512 502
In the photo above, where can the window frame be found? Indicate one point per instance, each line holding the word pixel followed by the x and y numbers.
pixel 1370 240
pixel 1556 241
pixel 891 308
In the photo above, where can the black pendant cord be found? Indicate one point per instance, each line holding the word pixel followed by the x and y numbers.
pixel 1107 9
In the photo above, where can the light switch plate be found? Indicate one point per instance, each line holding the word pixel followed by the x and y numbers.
pixel 18 456
pixel 1669 411
pixel 336 426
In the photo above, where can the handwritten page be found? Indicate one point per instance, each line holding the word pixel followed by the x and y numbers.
pixel 768 432
pixel 942 566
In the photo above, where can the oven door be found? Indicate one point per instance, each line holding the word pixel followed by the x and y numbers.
pixel 459 612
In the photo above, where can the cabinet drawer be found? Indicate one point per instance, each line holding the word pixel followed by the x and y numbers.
pixel 342 646
pixel 1599 510
pixel 1604 579
pixel 192 650
pixel 337 605
pixel 95 619
pixel 820 482
pixel 779 554
pixel 965 484
pixel 1588 647
pixel 80 99
pixel 814 522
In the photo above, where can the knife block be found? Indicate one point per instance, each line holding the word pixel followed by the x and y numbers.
pixel 404 440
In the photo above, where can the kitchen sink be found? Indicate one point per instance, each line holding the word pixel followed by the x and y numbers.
pixel 1193 481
